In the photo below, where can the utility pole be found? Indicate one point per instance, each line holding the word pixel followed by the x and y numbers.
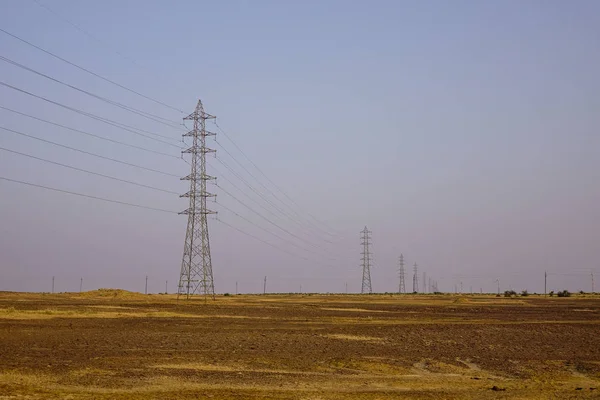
pixel 498 282
pixel 401 285
pixel 366 261
pixel 461 287
pixel 415 279
pixel 166 287
pixel 545 282
pixel 146 290
pixel 196 266
pixel 80 285
pixel 346 287
pixel 265 286
pixel 52 285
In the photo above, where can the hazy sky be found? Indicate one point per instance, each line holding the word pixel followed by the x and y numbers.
pixel 464 134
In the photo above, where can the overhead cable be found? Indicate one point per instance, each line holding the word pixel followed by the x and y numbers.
pixel 88 71
pixel 89 134
pixel 86 195
pixel 116 124
pixel 88 153
pixel 87 171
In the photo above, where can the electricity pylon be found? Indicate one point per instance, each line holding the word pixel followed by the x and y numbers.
pixel 401 286
pixel 415 280
pixel 366 261
pixel 196 266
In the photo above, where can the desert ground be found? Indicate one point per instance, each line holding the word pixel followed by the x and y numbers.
pixel 113 344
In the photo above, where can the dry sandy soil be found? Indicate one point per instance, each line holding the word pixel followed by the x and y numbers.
pixel 119 345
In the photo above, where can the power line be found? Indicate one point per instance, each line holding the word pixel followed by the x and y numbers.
pixel 86 195
pixel 271 233
pixel 98 97
pixel 268 179
pixel 249 185
pixel 266 230
pixel 255 201
pixel 87 171
pixel 83 30
pixel 263 217
pixel 261 240
pixel 87 152
pixel 271 222
pixel 284 213
pixel 222 176
pixel 97 117
pixel 89 72
pixel 89 134
pixel 243 180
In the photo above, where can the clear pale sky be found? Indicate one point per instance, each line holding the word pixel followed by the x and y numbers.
pixel 464 134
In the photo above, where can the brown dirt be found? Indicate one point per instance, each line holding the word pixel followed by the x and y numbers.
pixel 131 346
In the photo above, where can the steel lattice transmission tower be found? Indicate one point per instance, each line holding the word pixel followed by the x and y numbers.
pixel 415 279
pixel 196 267
pixel 366 261
pixel 402 285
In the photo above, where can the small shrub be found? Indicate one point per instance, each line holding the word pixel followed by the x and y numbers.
pixel 510 293
pixel 226 294
pixel 551 293
pixel 564 293
pixel 524 293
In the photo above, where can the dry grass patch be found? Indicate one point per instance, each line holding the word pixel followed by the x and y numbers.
pixel 107 312
pixel 362 310
pixel 341 336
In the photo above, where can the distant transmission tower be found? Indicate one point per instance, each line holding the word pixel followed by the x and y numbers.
pixel 415 279
pixel 366 261
pixel 401 286
pixel 196 266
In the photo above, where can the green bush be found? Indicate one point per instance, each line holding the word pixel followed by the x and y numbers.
pixel 524 293
pixel 564 293
pixel 510 293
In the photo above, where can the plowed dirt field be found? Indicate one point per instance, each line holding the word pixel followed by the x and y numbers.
pixel 119 345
